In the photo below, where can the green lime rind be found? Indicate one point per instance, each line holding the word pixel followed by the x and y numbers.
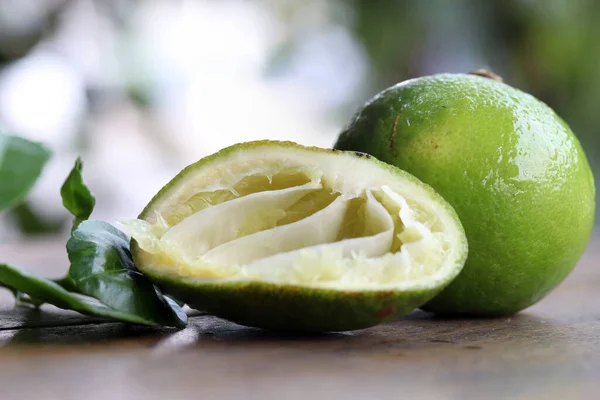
pixel 291 307
pixel 511 168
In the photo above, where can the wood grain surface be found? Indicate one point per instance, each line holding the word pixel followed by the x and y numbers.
pixel 550 351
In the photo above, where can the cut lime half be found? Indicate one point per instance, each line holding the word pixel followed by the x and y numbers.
pixel 277 235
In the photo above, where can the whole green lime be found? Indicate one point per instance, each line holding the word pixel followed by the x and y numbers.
pixel 512 169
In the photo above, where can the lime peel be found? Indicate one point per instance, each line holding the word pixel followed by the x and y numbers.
pixel 278 214
pixel 509 165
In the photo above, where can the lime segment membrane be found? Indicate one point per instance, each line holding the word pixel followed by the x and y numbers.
pixel 286 214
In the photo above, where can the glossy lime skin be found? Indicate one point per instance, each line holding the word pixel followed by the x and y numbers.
pixel 291 307
pixel 512 169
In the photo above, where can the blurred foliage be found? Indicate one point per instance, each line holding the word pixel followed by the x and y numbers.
pixel 546 47
pixel 31 222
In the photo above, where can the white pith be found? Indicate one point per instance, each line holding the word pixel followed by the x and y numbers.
pixel 301 217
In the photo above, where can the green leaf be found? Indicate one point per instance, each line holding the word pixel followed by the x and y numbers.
pixel 22 299
pixel 102 282
pixel 102 267
pixel 21 163
pixel 76 196
pixel 44 290
pixel 67 284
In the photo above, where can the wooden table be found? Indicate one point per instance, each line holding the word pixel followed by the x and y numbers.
pixel 551 351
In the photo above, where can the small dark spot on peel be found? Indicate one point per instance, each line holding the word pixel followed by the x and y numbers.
pixel 386 312
pixel 360 154
pixel 436 146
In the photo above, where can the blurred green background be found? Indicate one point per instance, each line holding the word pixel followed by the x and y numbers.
pixel 142 88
